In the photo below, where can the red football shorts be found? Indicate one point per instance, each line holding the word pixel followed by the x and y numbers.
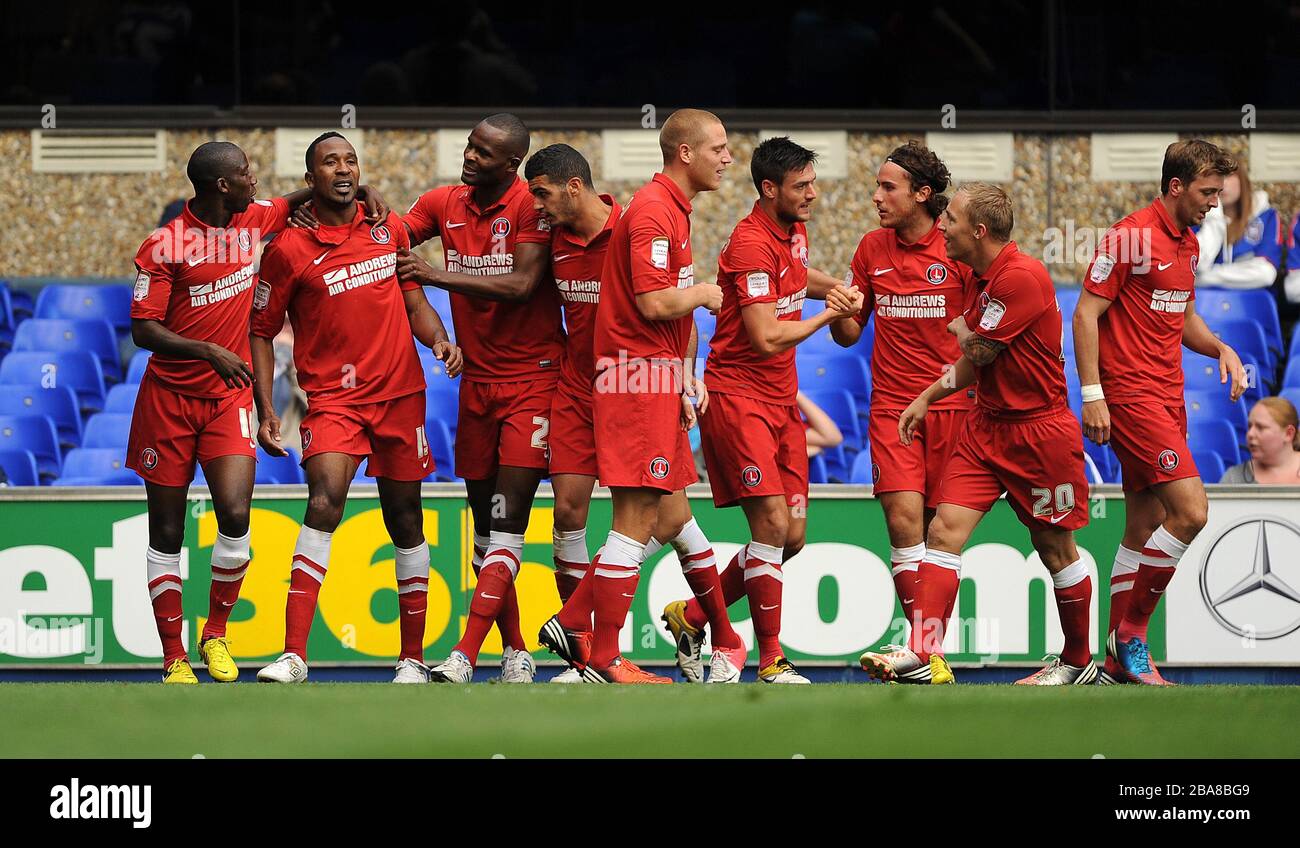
pixel 502 424
pixel 1150 440
pixel 754 449
pixel 640 442
pixel 920 466
pixel 1037 461
pixel 573 434
pixel 390 432
pixel 169 432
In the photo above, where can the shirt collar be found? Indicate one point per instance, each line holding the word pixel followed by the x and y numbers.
pixel 336 235
pixel 1167 220
pixel 923 242
pixel 614 211
pixel 467 196
pixel 1004 256
pixel 675 191
pixel 770 223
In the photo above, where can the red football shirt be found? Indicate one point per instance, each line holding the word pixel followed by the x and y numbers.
pixel 198 282
pixel 916 291
pixel 762 263
pixel 352 341
pixel 577 267
pixel 649 250
pixel 503 342
pixel 1016 305
pixel 1148 269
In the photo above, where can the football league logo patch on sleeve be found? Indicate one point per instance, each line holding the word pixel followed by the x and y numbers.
pixel 261 295
pixel 141 286
pixel 758 284
pixel 659 468
pixel 1101 267
pixel 992 315
pixel 659 253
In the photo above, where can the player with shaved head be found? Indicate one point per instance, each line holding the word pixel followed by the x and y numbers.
pixel 643 392
pixel 496 251
pixel 194 290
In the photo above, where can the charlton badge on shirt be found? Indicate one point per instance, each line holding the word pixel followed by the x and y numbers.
pixel 380 234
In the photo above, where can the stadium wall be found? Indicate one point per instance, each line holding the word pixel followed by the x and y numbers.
pixel 90 225
pixel 72 581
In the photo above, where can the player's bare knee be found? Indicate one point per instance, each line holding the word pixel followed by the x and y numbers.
pixel 771 526
pixel 1190 518
pixel 942 536
pixel 232 520
pixel 324 511
pixel 166 537
pixel 570 514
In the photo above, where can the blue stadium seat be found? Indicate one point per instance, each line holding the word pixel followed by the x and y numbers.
pixel 861 471
pixel 1201 373
pixel 1214 435
pixel 62 334
pixel 1218 305
pixel 59 403
pixel 139 361
pixel 361 476
pixel 1216 404
pixel 78 369
pixel 1247 338
pixel 843 410
pixel 1291 379
pixel 821 343
pixel 117 478
pixel 817 470
pixel 6 320
pixel 110 302
pixel 706 323
pixel 441 451
pixel 107 430
pixel 843 371
pixel 20 467
pixel 199 478
pixel 440 300
pixel 1104 458
pixel 121 398
pixel 1210 464
pixel 1292 393
pixel 442 405
pixel 279 469
pixel 837 464
pixel 22 304
pixel 1068 298
pixel 95 462
pixel 33 433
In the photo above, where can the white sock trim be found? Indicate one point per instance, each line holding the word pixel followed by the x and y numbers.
pixel 909 556
pixel 159 565
pixel 228 553
pixel 943 559
pixel 1168 543
pixel 622 552
pixel 652 547
pixel 691 540
pixel 762 552
pixel 1072 575
pixel 412 566
pixel 570 545
pixel 764 570
pixel 311 553
pixel 1127 561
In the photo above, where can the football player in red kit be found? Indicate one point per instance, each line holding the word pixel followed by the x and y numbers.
pixel 353 321
pixel 752 433
pixel 496 249
pixel 915 291
pixel 1021 440
pixel 1136 313
pixel 642 410
pixel 194 284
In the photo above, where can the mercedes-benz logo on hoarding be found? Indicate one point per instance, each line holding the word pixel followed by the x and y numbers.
pixel 1240 585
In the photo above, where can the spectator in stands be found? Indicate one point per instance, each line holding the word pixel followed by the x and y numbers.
pixel 821 429
pixel 170 211
pixel 1241 241
pixel 1291 285
pixel 1271 438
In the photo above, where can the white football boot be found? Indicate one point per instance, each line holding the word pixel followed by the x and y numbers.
pixel 411 671
pixel 783 671
pixel 287 668
pixel 1057 673
pixel 569 675
pixel 517 666
pixel 455 669
pixel 726 664
pixel 896 664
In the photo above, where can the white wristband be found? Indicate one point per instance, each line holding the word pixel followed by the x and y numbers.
pixel 1091 392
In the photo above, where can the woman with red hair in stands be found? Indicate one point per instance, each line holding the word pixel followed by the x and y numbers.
pixel 1271 438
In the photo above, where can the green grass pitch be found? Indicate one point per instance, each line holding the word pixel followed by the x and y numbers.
pixel 828 720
